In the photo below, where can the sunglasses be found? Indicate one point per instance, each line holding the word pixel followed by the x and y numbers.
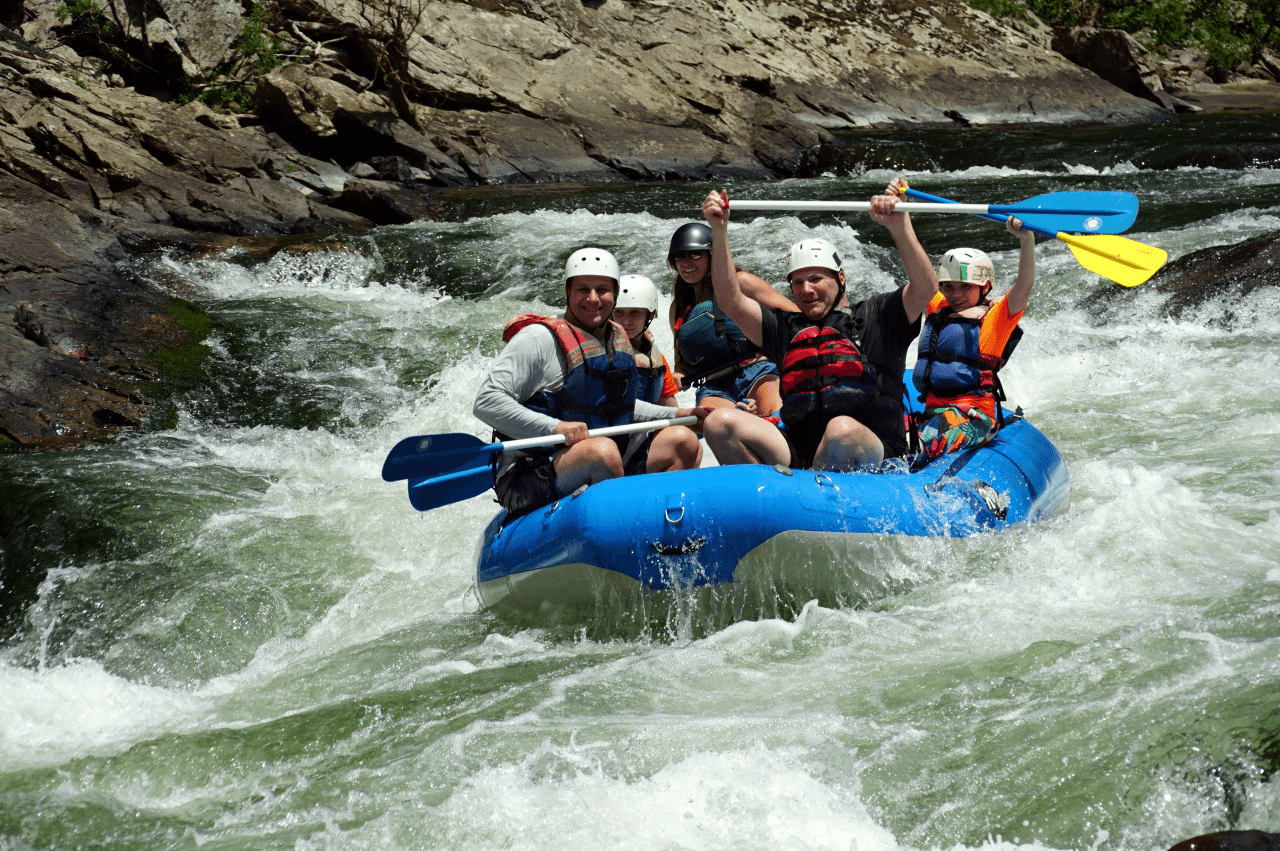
pixel 687 255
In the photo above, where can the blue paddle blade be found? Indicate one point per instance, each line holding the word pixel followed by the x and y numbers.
pixel 1055 212
pixel 426 455
pixel 1077 212
pixel 433 492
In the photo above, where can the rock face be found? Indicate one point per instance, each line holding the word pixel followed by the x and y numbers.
pixel 89 175
pixel 1116 56
pixel 96 164
pixel 1231 840
pixel 1230 271
pixel 627 89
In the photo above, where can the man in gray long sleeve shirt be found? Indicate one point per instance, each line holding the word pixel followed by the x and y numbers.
pixel 565 376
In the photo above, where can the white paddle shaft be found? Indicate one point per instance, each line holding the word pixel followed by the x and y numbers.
pixel 858 206
pixel 607 431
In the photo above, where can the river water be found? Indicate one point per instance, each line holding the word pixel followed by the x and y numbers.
pixel 227 631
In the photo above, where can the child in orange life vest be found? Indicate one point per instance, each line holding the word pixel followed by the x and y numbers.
pixel 634 310
pixel 966 339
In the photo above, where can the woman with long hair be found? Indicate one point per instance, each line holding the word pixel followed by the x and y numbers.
pixel 709 341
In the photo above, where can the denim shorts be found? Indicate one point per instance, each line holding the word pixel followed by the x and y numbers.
pixel 737 385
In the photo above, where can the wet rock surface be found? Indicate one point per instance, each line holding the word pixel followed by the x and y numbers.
pixel 1226 272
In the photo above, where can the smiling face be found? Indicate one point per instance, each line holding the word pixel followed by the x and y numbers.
pixel 692 266
pixel 632 320
pixel 815 290
pixel 590 301
pixel 961 295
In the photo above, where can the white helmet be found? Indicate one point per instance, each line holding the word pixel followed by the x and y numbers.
pixel 637 291
pixel 968 265
pixel 813 252
pixel 591 261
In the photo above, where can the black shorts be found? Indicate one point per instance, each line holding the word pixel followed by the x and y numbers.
pixel 803 440
pixel 529 482
pixel 802 443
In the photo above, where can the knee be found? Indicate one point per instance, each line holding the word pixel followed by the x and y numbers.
pixel 721 423
pixel 848 443
pixel 685 439
pixel 675 448
pixel 848 431
pixel 601 454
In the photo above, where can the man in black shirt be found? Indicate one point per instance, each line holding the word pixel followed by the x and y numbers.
pixel 841 366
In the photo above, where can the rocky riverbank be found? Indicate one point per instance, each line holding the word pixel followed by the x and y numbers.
pixel 98 162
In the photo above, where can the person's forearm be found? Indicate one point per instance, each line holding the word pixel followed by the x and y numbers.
pixel 1020 294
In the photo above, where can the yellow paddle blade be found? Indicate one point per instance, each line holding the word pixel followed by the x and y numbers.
pixel 1122 260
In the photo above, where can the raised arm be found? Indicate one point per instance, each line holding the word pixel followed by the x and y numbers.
pixel 759 289
pixel 1020 293
pixel 736 304
pixel 922 280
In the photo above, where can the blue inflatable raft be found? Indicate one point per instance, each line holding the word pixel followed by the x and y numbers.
pixel 759 533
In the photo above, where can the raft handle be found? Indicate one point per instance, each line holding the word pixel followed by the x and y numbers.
pixel 678 518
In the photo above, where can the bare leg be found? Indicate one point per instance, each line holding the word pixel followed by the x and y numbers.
pixel 846 445
pixel 586 463
pixel 674 448
pixel 737 437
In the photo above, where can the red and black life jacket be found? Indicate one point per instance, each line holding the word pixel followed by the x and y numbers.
pixel 824 372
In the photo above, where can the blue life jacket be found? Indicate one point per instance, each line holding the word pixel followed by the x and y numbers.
pixel 950 360
pixel 599 387
pixel 707 337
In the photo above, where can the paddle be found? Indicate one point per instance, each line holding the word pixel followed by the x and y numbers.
pixel 1092 212
pixel 1122 260
pixel 447 468
pixel 702 376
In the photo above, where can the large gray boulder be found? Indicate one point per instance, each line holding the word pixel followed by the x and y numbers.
pixel 205 29
pixel 1115 56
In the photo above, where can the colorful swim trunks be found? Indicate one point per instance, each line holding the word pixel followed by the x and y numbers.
pixel 952 429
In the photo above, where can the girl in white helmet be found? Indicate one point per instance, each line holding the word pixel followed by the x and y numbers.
pixel 967 338
pixel 635 309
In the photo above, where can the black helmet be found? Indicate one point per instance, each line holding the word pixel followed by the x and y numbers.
pixel 695 236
